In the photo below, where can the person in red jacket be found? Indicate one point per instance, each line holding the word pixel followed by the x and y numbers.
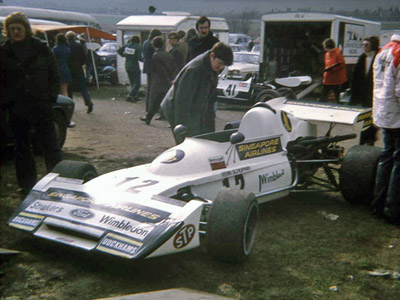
pixel 334 72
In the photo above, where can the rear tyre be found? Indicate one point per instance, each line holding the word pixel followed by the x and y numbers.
pixel 232 225
pixel 358 172
pixel 76 169
pixel 267 95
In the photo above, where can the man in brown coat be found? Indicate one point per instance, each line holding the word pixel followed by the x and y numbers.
pixel 163 70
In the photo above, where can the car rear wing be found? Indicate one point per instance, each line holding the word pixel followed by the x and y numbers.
pixel 317 112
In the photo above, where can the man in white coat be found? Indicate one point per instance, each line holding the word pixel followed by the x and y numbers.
pixel 386 114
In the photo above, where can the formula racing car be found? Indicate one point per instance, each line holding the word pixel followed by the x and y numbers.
pixel 206 189
pixel 253 89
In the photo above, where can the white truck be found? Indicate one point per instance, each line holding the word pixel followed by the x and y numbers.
pixel 293 41
pixel 173 21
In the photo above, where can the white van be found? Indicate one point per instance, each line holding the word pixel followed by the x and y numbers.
pixel 293 41
pixel 141 26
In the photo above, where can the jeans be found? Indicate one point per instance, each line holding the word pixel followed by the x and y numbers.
pixel 134 81
pixel 156 99
pixel 387 186
pixel 79 83
pixel 45 134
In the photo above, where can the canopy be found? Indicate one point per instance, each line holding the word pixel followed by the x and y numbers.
pixel 79 29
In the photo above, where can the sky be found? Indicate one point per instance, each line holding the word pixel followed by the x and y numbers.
pixel 203 6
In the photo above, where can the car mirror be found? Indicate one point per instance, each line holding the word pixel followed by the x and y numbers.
pixel 237 137
pixel 180 131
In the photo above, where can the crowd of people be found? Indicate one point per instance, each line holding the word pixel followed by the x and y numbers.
pixel 182 75
pixel 181 78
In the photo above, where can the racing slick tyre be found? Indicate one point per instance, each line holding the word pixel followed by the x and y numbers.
pixel 287 92
pixel 232 225
pixel 266 95
pixel 76 169
pixel 357 174
pixel 61 125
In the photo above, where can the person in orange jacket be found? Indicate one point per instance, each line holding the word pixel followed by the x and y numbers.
pixel 334 72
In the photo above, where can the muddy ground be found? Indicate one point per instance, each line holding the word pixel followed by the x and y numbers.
pixel 113 137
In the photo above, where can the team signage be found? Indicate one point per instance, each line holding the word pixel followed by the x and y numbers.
pixel 259 148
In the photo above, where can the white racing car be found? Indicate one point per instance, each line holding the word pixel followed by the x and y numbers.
pixel 251 90
pixel 204 190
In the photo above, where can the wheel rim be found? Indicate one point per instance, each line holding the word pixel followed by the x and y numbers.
pixel 250 228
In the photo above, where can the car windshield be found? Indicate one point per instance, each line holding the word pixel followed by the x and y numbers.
pixel 109 47
pixel 255 48
pixel 245 58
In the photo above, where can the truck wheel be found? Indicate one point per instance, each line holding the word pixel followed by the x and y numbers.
pixel 61 125
pixel 232 225
pixel 287 92
pixel 76 169
pixel 357 174
pixel 266 95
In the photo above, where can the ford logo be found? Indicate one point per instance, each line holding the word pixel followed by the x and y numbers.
pixel 82 213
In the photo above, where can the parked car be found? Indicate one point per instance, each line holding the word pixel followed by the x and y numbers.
pixel 106 64
pixel 240 38
pixel 107 55
pixel 244 65
pixel 256 48
pixel 238 48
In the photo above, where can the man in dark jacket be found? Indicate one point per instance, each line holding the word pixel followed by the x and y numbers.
pixel 176 50
pixel 163 70
pixel 29 86
pixel 77 61
pixel 194 90
pixel 204 40
pixel 363 84
pixel 133 54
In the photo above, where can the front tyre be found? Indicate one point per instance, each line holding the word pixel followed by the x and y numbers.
pixel 358 172
pixel 232 225
pixel 75 169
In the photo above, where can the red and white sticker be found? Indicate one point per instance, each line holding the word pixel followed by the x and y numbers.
pixel 184 236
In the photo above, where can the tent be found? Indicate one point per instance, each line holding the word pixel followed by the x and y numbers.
pixel 90 33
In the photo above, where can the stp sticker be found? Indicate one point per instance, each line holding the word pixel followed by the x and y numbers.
pixel 184 236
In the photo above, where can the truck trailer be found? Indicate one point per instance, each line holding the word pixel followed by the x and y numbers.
pixel 292 42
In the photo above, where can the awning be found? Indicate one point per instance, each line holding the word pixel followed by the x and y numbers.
pixel 90 33
pixel 79 29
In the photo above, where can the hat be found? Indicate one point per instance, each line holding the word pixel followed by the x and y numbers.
pixel 17 18
pixel 70 35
